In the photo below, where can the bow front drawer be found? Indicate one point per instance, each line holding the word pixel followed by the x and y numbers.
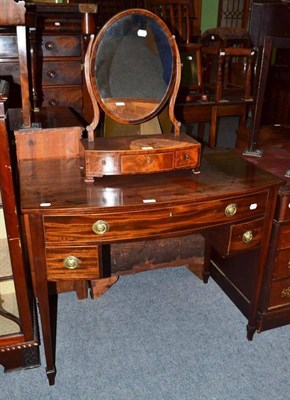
pixel 150 221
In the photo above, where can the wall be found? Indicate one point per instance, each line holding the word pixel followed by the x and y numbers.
pixel 209 14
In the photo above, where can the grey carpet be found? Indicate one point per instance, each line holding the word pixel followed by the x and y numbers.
pixel 158 335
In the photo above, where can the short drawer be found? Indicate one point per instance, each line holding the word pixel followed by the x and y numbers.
pixel 231 239
pixel 245 236
pixel 63 96
pixel 187 158
pixel 61 73
pixel 282 264
pixel 68 24
pixel 102 164
pixel 280 293
pixel 146 163
pixel 151 221
pixel 64 46
pixel 71 263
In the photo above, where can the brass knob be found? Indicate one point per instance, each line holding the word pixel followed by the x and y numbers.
pixel 187 157
pixel 231 209
pixel 285 292
pixel 51 74
pixel 52 102
pixel 149 160
pixel 71 262
pixel 247 237
pixel 100 227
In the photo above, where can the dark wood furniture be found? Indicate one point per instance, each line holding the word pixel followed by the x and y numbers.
pixel 62 32
pixel 57 38
pixel 200 99
pixel 133 85
pixel 222 92
pixel 71 224
pixel 275 298
pixel 259 134
pixel 271 18
pixel 18 322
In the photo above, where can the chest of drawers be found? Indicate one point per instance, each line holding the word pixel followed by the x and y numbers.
pixel 60 50
pixel 275 296
pixel 57 35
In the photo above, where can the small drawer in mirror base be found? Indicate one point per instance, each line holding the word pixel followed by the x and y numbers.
pixel 142 154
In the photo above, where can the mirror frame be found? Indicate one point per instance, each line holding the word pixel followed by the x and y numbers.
pixel 170 93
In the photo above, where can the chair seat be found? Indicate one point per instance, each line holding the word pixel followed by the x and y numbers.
pixel 226 37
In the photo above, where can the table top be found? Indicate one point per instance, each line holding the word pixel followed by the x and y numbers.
pixel 49 186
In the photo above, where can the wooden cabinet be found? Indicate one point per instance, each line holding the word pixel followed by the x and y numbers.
pixel 57 42
pixel 18 322
pixel 274 303
pixel 59 52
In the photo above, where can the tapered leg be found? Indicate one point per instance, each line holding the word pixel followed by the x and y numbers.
pixel 47 301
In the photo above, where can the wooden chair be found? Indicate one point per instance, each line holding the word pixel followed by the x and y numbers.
pixel 198 100
pixel 264 135
pixel 108 8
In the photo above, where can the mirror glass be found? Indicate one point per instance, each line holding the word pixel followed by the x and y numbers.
pixel 9 315
pixel 133 67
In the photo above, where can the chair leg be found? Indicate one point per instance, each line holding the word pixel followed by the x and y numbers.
pixel 200 131
pixel 213 128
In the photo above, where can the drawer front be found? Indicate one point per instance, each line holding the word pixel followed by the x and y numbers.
pixel 72 263
pixel 63 96
pixel 284 237
pixel 245 236
pixel 150 222
pixel 69 24
pixel 131 164
pixel 280 293
pixel 282 264
pixel 64 46
pixel 61 73
pixel 187 158
pixel 104 164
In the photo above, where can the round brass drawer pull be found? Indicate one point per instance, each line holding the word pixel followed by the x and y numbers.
pixel 247 237
pixel 100 227
pixel 71 262
pixel 231 209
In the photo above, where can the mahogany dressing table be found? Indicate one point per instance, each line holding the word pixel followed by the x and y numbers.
pixel 72 215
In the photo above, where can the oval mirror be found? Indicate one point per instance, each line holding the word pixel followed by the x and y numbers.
pixel 133 66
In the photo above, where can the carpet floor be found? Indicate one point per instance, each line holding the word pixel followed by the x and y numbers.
pixel 158 335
